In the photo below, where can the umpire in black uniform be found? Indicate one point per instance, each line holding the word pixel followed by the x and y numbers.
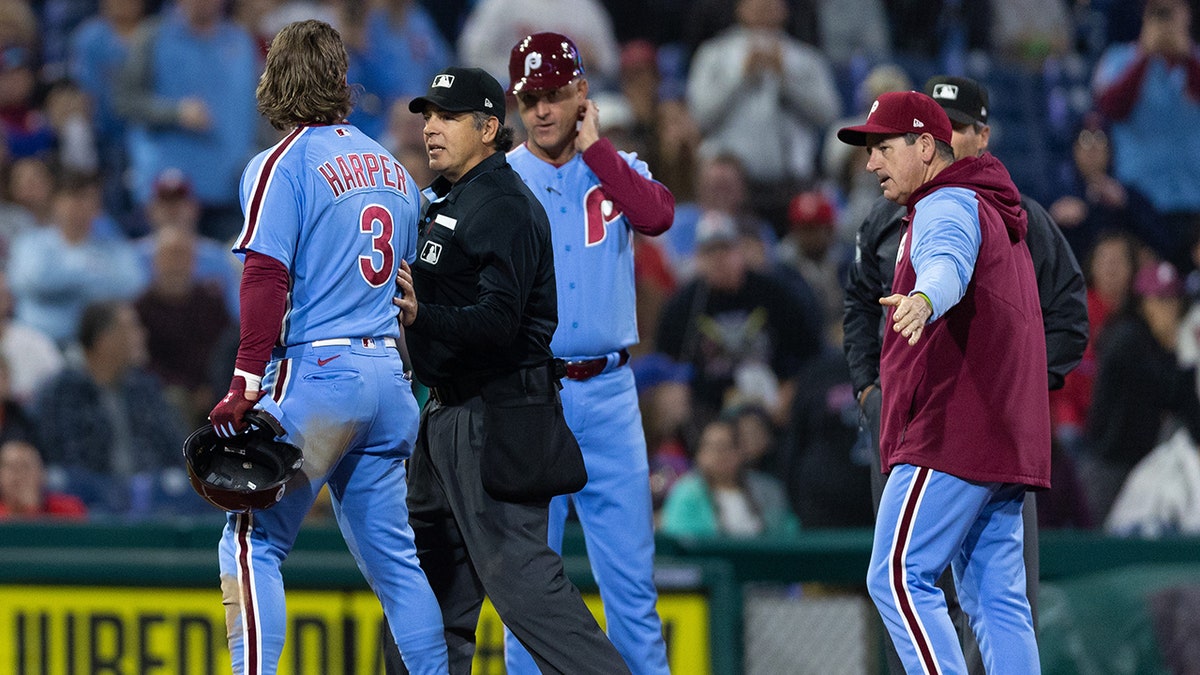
pixel 1060 289
pixel 479 307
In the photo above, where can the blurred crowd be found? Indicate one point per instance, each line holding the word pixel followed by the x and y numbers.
pixel 126 125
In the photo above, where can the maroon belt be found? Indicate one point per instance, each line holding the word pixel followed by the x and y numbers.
pixel 582 370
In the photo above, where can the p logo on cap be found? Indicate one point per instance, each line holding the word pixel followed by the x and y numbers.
pixel 896 113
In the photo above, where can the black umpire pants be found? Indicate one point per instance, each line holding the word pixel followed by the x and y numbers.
pixel 470 544
pixel 870 425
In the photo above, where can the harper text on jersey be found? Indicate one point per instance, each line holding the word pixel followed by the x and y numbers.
pixel 365 170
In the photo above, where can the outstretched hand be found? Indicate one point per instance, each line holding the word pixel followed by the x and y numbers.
pixel 912 311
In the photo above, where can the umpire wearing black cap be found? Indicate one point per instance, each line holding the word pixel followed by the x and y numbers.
pixel 1061 293
pixel 479 307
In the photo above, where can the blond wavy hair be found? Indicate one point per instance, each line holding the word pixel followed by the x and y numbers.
pixel 305 77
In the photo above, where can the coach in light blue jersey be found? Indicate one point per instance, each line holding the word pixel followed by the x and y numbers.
pixel 328 216
pixel 595 198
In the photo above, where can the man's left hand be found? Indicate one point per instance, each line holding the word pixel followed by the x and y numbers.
pixel 589 126
pixel 912 311
pixel 406 299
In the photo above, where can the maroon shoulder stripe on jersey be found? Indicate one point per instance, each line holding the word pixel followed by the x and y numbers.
pixel 903 598
pixel 254 207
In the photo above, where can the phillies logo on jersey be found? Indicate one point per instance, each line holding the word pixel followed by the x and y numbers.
pixel 600 211
pixel 431 252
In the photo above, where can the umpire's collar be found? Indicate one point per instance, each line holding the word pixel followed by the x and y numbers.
pixel 443 188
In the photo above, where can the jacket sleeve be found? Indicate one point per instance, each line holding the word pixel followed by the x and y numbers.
pixel 868 281
pixel 1061 292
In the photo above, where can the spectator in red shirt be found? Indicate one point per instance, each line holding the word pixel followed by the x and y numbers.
pixel 23 491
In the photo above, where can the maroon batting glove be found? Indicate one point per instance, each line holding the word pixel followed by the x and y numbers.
pixel 228 416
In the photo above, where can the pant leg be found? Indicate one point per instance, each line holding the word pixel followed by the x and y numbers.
pixel 1033 565
pixel 252 547
pixel 506 543
pixel 368 492
pixel 443 556
pixel 868 425
pixel 923 518
pixel 517 660
pixel 616 513
pixel 990 574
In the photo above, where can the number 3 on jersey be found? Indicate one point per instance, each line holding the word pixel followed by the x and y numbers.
pixel 600 211
pixel 376 221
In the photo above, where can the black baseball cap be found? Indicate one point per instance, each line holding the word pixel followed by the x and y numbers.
pixel 457 89
pixel 964 100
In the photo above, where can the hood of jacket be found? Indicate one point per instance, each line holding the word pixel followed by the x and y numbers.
pixel 988 178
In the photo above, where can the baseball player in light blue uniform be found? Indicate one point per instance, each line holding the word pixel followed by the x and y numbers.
pixel 328 215
pixel 596 197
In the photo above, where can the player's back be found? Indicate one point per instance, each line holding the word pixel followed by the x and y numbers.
pixel 339 211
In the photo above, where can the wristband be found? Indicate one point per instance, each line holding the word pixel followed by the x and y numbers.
pixel 253 382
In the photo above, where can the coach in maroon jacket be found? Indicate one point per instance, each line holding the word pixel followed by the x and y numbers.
pixel 965 423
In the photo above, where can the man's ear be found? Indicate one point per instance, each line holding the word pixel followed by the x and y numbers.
pixel 928 147
pixel 490 128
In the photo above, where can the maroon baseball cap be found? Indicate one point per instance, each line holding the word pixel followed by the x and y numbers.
pixel 901 112
pixel 543 62
pixel 172 183
pixel 810 210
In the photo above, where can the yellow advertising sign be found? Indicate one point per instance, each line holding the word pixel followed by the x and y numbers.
pixel 63 630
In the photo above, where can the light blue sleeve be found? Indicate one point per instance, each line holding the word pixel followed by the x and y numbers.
pixel 945 245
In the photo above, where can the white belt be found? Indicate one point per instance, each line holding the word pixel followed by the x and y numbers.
pixel 369 343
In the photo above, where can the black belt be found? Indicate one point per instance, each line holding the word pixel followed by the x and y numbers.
pixel 582 370
pixel 455 393
pixel 533 379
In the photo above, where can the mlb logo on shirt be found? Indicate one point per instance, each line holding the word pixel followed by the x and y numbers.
pixel 342 132
pixel 443 81
pixel 431 252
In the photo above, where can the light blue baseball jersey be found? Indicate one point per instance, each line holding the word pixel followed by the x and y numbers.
pixel 337 210
pixel 593 265
pixel 593 254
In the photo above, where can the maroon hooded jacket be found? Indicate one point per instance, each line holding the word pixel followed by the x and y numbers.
pixel 970 399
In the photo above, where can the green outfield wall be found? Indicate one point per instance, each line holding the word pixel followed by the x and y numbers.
pixel 115 598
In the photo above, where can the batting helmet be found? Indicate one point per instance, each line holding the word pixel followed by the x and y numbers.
pixel 543 61
pixel 246 472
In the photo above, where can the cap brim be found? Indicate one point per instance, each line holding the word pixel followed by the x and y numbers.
pixel 417 105
pixel 961 118
pixel 858 135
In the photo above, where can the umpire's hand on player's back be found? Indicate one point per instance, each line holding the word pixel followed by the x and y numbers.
pixel 407 299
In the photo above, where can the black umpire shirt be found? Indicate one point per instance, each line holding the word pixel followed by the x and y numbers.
pixel 484 278
pixel 1061 291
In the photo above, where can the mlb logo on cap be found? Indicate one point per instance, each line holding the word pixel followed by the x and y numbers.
pixel 964 100
pixel 946 91
pixel 458 89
